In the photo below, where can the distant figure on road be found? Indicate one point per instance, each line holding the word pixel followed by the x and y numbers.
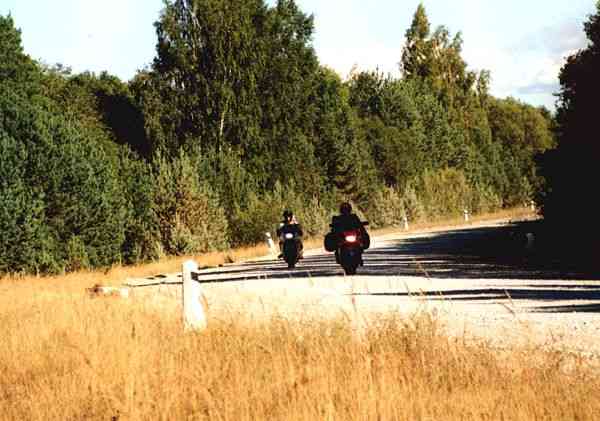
pixel 289 224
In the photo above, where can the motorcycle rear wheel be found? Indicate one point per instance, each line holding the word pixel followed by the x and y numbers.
pixel 290 253
pixel 350 268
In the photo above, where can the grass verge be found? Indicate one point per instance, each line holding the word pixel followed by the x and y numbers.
pixel 104 359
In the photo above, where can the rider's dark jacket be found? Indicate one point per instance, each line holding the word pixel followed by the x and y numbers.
pixel 340 223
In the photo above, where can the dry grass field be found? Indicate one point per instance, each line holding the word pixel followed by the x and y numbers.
pixel 70 358
pixel 66 356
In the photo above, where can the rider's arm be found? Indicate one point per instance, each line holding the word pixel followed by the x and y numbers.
pixel 334 223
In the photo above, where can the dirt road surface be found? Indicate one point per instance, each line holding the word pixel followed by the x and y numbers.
pixel 480 281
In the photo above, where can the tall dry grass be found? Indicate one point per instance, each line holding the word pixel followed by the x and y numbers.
pixel 70 358
pixel 65 356
pixel 78 281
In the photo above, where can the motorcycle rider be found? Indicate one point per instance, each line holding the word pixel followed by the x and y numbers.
pixel 290 224
pixel 348 221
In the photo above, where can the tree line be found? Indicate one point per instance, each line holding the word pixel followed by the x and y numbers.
pixel 234 121
pixel 567 196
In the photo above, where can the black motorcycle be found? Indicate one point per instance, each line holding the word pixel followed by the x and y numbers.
pixel 291 245
pixel 348 246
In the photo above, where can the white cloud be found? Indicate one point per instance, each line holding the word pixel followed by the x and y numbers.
pixel 528 68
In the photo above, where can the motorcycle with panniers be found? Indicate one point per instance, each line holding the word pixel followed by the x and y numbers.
pixel 348 246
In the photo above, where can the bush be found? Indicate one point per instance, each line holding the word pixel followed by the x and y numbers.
pixel 260 214
pixel 412 204
pixel 77 257
pixel 188 214
pixel 484 199
pixel 444 192
pixel 257 216
pixel 61 183
pixel 314 217
pixel 387 209
pixel 141 230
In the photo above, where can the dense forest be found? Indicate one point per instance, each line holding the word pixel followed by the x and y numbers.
pixel 235 119
pixel 570 209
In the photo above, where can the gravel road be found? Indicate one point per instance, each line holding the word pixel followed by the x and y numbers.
pixel 479 280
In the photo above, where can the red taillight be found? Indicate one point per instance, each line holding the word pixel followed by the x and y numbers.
pixel 351 238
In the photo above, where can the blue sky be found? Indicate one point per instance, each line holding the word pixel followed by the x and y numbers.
pixel 522 42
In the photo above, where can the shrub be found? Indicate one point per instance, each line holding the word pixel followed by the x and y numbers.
pixel 415 211
pixel 444 192
pixel 314 217
pixel 484 199
pixel 77 257
pixel 188 214
pixel 261 214
pixel 62 182
pixel 387 208
pixel 141 231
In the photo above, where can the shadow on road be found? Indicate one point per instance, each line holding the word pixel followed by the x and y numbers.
pixel 479 253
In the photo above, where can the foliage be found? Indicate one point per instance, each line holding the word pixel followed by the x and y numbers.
pixel 78 184
pixel 188 214
pixel 261 214
pixel 236 120
pixel 388 209
pixel 569 169
pixel 443 192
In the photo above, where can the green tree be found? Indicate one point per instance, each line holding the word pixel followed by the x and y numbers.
pixel 24 240
pixel 62 195
pixel 116 109
pixel 17 70
pixel 570 169
pixel 237 78
pixel 206 68
pixel 417 54
pixel 188 214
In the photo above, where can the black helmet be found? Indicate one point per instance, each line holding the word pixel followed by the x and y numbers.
pixel 287 214
pixel 345 208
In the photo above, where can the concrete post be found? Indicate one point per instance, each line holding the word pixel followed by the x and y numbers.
pixel 405 219
pixel 530 241
pixel 194 311
pixel 466 211
pixel 270 243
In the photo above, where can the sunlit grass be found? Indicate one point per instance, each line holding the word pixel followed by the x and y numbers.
pixel 68 357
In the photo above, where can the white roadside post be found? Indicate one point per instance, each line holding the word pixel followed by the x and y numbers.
pixel 270 243
pixel 466 211
pixel 530 241
pixel 194 312
pixel 405 219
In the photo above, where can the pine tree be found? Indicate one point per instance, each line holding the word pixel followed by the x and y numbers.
pixel 416 54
